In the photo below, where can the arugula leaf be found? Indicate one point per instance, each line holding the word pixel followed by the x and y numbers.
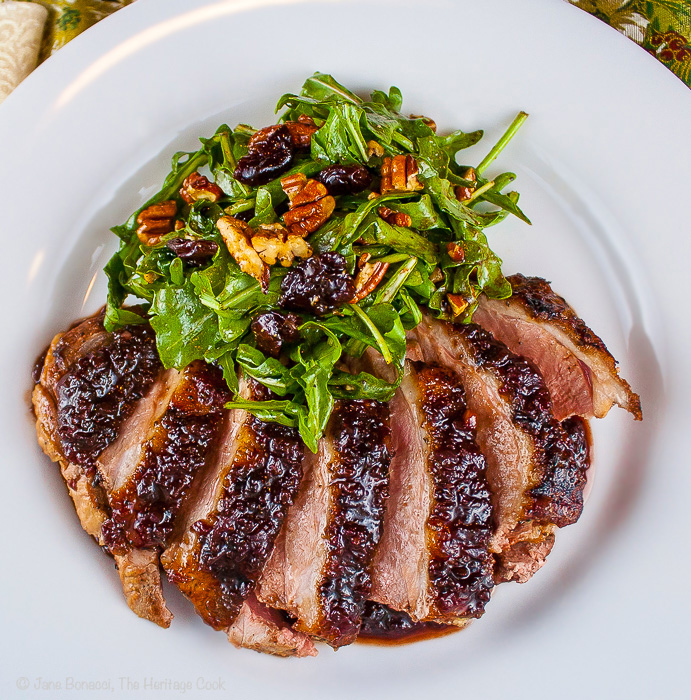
pixel 185 328
pixel 204 309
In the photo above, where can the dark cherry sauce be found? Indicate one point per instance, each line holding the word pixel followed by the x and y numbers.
pixel 359 477
pixel 144 508
pixel 461 565
pixel 262 483
pixel 558 498
pixel 382 625
pixel 99 391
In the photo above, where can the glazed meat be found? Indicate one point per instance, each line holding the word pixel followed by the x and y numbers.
pixel 234 517
pixel 532 468
pixel 319 571
pixel 148 471
pixel 433 562
pixel 404 520
pixel 539 325
pixel 260 628
pixel 89 384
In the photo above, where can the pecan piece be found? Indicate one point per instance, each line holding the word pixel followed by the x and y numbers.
pixel 455 251
pixel 463 193
pixel 310 204
pixel 399 174
pixel 301 131
pixel 458 304
pixel 395 218
pixel 274 243
pixel 236 235
pixel 196 187
pixel 368 278
pixel 156 221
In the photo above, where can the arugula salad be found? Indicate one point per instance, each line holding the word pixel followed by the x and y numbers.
pixel 307 242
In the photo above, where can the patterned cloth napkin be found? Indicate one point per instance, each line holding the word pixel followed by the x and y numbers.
pixel 21 29
pixel 661 27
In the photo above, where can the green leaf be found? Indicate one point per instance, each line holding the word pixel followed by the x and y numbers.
pixel 444 197
pixel 361 386
pixel 283 412
pixel 404 240
pixel 322 86
pixel 185 328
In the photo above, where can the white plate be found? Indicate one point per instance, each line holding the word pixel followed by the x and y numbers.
pixel 603 168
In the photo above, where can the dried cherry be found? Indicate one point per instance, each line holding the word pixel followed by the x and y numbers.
pixel 194 253
pixel 270 154
pixel 319 284
pixel 272 329
pixel 345 179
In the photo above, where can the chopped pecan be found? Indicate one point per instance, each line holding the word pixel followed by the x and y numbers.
pixel 455 251
pixel 363 259
pixel 292 184
pixel 395 218
pixel 374 148
pixel 463 193
pixel 458 304
pixel 301 131
pixel 196 187
pixel 236 235
pixel 437 275
pixel 310 204
pixel 274 243
pixel 156 221
pixel 399 174
pixel 369 276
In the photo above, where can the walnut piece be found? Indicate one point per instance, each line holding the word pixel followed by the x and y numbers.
pixel 374 148
pixel 274 243
pixel 399 174
pixel 310 204
pixel 156 221
pixel 463 193
pixel 196 187
pixel 368 278
pixel 395 218
pixel 236 235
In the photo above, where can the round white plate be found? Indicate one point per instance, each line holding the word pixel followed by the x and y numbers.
pixel 603 167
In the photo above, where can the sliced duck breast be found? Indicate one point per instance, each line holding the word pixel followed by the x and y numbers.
pixel 319 571
pixel 234 514
pixel 90 383
pixel 539 325
pixel 261 628
pixel 534 473
pixel 148 472
pixel 433 561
